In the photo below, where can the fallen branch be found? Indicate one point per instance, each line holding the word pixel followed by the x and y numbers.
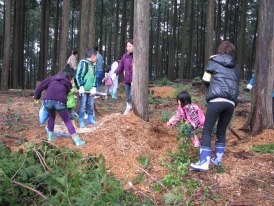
pixel 234 133
pixel 153 178
pixel 30 188
pixel 42 161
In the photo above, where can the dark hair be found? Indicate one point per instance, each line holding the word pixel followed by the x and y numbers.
pixel 226 47
pixel 90 52
pixel 68 71
pixel 129 41
pixel 96 47
pixel 74 52
pixel 108 68
pixel 184 98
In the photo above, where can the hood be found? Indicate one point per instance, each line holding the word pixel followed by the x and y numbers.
pixel 60 77
pixel 225 60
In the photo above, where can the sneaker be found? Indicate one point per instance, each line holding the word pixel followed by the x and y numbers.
pixel 195 141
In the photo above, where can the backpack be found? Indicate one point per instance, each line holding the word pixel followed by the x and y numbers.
pixel 86 71
pixel 108 81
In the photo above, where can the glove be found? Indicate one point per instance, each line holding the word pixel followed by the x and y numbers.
pixel 113 76
pixel 103 80
pixel 81 91
pixel 249 86
pixel 93 91
pixel 37 101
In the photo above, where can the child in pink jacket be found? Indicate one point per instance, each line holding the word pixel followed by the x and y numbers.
pixel 189 113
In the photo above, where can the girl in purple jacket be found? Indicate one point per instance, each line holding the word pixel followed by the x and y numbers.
pixel 126 65
pixel 55 100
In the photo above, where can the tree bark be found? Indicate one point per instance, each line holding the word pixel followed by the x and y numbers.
pixel 261 111
pixel 7 40
pixel 141 58
pixel 64 34
pixel 209 30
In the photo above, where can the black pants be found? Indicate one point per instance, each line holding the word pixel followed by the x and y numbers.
pixel 222 111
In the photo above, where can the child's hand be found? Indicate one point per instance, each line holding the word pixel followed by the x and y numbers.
pixel 166 124
pixel 37 101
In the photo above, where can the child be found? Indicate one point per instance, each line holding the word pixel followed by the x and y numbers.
pixel 114 66
pixel 55 100
pixel 108 81
pixel 189 113
pixel 71 103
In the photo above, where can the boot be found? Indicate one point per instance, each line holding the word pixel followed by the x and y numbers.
pixel 219 152
pixel 91 119
pixel 82 123
pixel 127 108
pixel 114 95
pixel 50 136
pixel 77 140
pixel 205 153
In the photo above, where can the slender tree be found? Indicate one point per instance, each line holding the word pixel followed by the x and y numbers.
pixel 261 111
pixel 44 38
pixel 141 58
pixel 64 33
pixel 55 40
pixel 209 30
pixel 7 38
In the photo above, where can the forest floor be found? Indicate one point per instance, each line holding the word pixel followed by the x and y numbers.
pixel 247 177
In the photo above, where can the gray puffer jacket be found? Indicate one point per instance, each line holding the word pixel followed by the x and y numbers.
pixel 224 82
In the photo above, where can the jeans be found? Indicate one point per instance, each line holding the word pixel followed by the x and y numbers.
pixel 222 111
pixel 99 74
pixel 54 106
pixel 71 113
pixel 128 92
pixel 85 101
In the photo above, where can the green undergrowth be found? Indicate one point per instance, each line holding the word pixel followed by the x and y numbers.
pixel 47 175
pixel 263 148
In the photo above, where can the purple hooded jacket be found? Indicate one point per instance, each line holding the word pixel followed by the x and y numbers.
pixel 125 64
pixel 57 88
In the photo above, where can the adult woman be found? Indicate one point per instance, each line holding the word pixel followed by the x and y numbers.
pixel 126 65
pixel 223 92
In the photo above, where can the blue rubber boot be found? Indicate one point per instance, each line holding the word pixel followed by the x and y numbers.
pixel 203 164
pixel 219 153
pixel 82 123
pixel 91 119
pixel 114 95
pixel 50 136
pixel 77 140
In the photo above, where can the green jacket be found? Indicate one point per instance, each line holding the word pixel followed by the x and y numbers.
pixel 71 100
pixel 85 74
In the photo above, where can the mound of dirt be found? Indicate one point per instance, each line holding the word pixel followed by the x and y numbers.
pixel 163 92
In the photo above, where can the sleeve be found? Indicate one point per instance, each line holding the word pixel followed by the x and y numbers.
pixel 251 81
pixel 79 73
pixel 210 67
pixel 173 120
pixel 94 75
pixel 41 87
pixel 120 67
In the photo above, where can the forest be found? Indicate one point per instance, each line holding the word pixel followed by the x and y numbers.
pixel 134 159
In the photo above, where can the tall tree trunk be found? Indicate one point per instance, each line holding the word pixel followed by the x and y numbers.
pixel 241 45
pixel 7 40
pixel 131 22
pixel 56 40
pixel 226 20
pixel 18 46
pixel 157 49
pixel 261 111
pixel 44 38
pixel 64 34
pixel 87 26
pixel 101 27
pixel 190 42
pixel 141 61
pixel 209 30
pixel 218 24
pixel 123 27
pixel 184 40
pixel 116 39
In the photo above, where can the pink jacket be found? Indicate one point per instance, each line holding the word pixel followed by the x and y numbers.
pixel 190 113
